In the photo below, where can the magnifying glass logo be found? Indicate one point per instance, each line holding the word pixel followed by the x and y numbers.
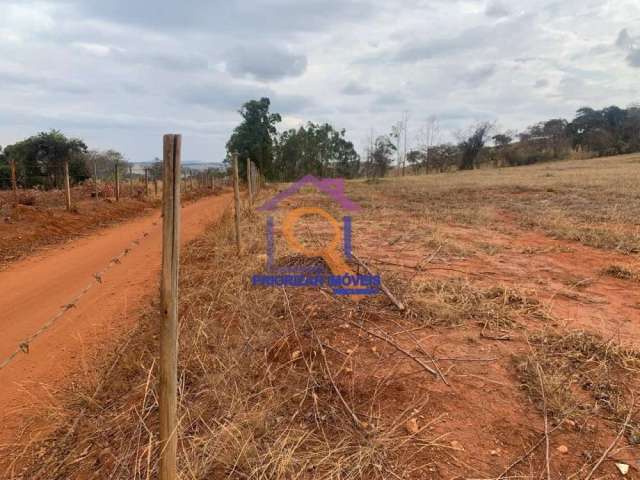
pixel 330 252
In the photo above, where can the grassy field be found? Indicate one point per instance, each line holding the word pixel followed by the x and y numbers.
pixel 517 354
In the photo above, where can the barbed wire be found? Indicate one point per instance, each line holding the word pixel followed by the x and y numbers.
pixel 23 346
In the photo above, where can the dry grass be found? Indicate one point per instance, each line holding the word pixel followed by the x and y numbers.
pixel 260 394
pixel 594 202
pixel 452 302
pixel 292 383
pixel 621 272
pixel 583 375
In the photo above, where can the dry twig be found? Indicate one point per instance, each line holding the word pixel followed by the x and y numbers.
pixel 383 287
pixel 613 444
pixel 397 347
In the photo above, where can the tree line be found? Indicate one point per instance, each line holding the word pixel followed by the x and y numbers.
pixel 325 151
pixel 318 149
pixel 40 161
pixel 592 133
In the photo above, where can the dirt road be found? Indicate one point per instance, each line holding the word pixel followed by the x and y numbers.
pixel 34 289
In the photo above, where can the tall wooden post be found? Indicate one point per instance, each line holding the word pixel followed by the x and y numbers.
pixel 249 186
pixel 95 178
pixel 67 185
pixel 14 181
pixel 254 176
pixel 146 182
pixel 131 180
pixel 117 178
pixel 254 188
pixel 168 391
pixel 236 195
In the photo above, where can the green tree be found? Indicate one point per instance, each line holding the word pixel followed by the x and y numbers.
pixel 609 131
pixel 444 157
pixel 381 156
pixel 315 149
pixel 156 169
pixel 502 140
pixel 473 145
pixel 5 170
pixel 105 163
pixel 253 138
pixel 40 159
pixel 415 158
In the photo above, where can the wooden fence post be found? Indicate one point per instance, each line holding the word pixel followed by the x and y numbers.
pixel 131 181
pixel 95 178
pixel 67 186
pixel 249 186
pixel 14 182
pixel 146 182
pixel 117 182
pixel 155 186
pixel 169 303
pixel 253 179
pixel 254 176
pixel 236 194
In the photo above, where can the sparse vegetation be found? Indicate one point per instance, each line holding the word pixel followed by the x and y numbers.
pixel 297 383
pixel 621 272
pixel 583 375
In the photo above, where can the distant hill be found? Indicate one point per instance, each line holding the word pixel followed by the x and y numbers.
pixel 138 167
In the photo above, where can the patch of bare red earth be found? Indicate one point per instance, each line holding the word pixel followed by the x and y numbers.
pixel 34 289
pixel 486 419
pixel 25 230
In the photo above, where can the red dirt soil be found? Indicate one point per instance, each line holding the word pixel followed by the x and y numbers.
pixel 34 290
pixel 568 279
pixel 26 229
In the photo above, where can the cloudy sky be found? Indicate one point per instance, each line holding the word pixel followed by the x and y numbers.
pixel 121 73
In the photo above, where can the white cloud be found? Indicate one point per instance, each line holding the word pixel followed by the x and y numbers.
pixel 93 48
pixel 497 9
pixel 264 62
pixel 120 74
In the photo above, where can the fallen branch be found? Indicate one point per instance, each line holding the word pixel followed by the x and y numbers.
pixel 433 360
pixel 502 338
pixel 461 359
pixel 398 348
pixel 529 452
pixel 383 287
pixel 613 444
pixel 546 422
pixel 354 417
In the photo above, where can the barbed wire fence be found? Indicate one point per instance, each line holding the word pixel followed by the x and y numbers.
pixel 146 185
pixel 177 181
pixel 189 182
pixel 24 345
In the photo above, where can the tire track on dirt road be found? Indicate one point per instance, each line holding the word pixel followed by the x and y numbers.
pixel 34 289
